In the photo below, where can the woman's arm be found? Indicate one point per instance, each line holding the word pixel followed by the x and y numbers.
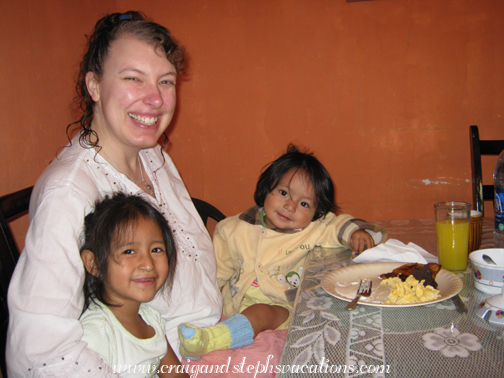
pixel 45 295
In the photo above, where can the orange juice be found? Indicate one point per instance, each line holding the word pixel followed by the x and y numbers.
pixel 452 243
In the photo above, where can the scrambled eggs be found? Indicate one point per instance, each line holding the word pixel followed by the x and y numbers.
pixel 409 291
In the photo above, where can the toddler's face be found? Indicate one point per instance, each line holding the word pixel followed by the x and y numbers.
pixel 292 203
pixel 138 265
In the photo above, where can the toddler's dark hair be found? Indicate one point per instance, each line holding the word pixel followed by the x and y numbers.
pixel 112 220
pixel 302 162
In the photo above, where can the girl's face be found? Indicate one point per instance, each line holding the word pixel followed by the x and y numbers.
pixel 292 203
pixel 135 95
pixel 137 265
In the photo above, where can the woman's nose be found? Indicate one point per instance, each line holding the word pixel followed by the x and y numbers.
pixel 153 97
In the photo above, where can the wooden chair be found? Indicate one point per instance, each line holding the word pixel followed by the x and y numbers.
pixel 481 147
pixel 12 206
pixel 205 210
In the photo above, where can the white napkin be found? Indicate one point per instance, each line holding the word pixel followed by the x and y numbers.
pixel 395 250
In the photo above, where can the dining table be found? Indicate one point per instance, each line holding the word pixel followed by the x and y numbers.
pixel 429 340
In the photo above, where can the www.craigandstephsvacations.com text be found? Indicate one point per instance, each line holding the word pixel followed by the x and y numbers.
pixel 258 368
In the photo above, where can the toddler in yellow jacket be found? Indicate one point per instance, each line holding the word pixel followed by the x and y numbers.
pixel 260 253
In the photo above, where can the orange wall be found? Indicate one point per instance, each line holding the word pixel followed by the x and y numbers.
pixel 382 91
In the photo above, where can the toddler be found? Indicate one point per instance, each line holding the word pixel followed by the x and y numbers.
pixel 129 255
pixel 260 253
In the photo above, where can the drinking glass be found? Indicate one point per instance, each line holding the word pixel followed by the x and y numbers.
pixel 475 230
pixel 452 229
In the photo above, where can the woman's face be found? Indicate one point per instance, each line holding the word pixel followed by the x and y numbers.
pixel 135 96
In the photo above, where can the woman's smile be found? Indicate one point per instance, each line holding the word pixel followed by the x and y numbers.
pixel 135 95
pixel 145 120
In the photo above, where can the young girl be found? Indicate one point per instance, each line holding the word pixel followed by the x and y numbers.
pixel 260 253
pixel 129 255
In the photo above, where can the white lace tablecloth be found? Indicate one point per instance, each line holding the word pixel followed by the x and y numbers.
pixel 425 341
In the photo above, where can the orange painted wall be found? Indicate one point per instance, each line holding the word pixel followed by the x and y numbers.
pixel 382 91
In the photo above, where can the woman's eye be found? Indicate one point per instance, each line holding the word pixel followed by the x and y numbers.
pixel 131 79
pixel 129 252
pixel 169 82
pixel 158 250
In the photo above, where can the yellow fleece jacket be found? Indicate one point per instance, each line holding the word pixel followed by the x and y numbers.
pixel 246 251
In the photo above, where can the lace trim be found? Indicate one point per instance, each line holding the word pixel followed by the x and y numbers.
pixel 185 243
pixel 64 367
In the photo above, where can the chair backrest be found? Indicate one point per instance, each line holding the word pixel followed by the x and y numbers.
pixel 12 206
pixel 206 210
pixel 481 147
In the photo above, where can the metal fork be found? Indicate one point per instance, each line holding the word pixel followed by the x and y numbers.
pixel 364 290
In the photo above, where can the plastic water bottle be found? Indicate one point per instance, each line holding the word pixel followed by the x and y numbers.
pixel 499 202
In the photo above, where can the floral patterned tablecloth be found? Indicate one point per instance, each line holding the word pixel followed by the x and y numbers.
pixel 325 340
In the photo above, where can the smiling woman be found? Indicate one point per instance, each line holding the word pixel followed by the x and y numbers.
pixel 134 99
pixel 127 87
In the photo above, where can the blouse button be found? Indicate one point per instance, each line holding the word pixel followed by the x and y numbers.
pixel 263 232
pixel 259 266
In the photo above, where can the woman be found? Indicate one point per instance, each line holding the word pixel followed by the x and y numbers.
pixel 127 87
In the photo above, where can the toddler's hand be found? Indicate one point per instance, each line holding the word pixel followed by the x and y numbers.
pixel 361 240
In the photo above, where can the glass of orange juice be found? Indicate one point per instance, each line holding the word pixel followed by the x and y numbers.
pixel 452 228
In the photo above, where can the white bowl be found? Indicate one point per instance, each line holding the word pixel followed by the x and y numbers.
pixel 488 278
pixel 493 305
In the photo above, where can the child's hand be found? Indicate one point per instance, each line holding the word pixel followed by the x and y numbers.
pixel 361 240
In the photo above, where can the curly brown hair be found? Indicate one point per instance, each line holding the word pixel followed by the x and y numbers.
pixel 107 30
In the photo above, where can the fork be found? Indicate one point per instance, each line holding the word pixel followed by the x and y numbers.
pixel 364 290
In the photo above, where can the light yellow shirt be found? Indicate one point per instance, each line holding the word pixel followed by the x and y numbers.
pixel 246 251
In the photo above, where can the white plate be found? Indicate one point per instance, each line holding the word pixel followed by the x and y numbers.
pixel 343 283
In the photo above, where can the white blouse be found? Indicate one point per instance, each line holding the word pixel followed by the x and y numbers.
pixel 45 294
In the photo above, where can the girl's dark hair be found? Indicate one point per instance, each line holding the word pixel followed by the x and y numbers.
pixel 301 162
pixel 107 30
pixel 113 219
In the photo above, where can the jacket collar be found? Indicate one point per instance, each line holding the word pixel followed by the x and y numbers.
pixel 255 216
